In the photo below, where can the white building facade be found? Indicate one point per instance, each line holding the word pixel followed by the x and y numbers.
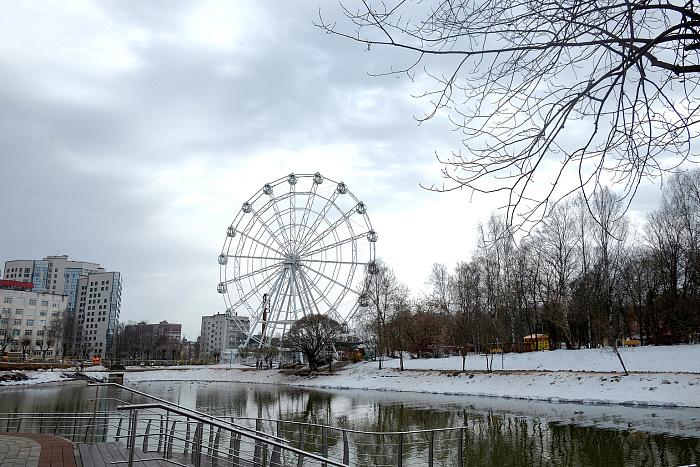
pixel 219 333
pixel 93 298
pixel 29 321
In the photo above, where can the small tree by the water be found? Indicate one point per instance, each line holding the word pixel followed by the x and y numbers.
pixel 311 335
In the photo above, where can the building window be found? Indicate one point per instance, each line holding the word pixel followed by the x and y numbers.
pixel 4 321
pixel 42 322
pixel 42 313
pixel 19 311
pixel 40 332
pixel 44 303
pixel 8 300
pixel 27 332
pixel 15 332
pixel 54 305
pixel 32 302
pixel 30 322
pixel 6 311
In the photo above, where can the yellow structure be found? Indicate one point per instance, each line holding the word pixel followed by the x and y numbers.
pixel 537 341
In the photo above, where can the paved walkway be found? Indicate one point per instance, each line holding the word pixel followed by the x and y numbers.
pixel 31 450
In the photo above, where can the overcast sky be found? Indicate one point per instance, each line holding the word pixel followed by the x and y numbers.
pixel 131 132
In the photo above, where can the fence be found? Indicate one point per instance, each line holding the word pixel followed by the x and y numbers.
pixel 181 435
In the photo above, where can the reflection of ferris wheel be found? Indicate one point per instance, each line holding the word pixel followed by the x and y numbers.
pixel 294 249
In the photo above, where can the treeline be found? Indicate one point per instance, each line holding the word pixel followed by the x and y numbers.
pixel 584 277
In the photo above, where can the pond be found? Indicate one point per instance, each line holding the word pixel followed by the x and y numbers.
pixel 498 432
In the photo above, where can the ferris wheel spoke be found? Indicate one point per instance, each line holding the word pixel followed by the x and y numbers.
pixel 331 228
pixel 255 290
pixel 266 258
pixel 321 295
pixel 330 202
pixel 252 273
pixel 333 245
pixel 311 196
pixel 344 286
pixel 307 291
pixel 292 212
pixel 330 261
pixel 271 234
pixel 303 293
pixel 277 303
pixel 281 225
pixel 273 293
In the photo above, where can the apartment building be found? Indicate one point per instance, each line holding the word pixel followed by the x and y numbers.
pixel 29 321
pixel 219 333
pixel 93 298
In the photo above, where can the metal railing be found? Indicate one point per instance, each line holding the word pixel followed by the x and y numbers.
pixel 347 446
pixel 203 439
pixel 185 436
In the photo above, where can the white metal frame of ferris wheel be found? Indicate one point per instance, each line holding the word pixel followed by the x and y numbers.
pixel 294 249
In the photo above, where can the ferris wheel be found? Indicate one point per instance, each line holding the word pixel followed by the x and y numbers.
pixel 296 247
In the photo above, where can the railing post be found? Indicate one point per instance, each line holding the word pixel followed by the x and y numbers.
pixel 275 460
pixel 460 461
pixel 300 462
pixel 197 446
pixel 257 451
pixel 187 437
pixel 400 449
pixel 235 449
pixel 346 448
pixel 169 442
pixel 132 436
pixel 431 449
pixel 210 444
pixel 94 413
pixel 144 448
pixel 324 444
pixel 215 458
pixel 119 429
pixel 161 433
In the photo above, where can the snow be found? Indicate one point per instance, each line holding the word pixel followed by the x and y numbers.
pixel 659 376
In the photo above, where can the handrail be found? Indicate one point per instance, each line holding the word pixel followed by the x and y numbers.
pixel 247 428
pixel 252 434
pixel 168 403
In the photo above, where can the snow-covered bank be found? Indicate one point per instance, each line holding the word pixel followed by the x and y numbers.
pixel 664 376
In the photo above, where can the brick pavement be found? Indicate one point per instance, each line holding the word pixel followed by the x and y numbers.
pixel 32 450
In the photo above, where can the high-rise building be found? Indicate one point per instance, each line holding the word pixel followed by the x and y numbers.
pixel 219 333
pixel 93 298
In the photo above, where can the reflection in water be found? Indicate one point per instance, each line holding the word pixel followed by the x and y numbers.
pixel 497 432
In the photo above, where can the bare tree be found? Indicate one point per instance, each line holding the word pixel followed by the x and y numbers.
pixel 400 318
pixel 466 290
pixel 556 245
pixel 440 283
pixel 379 291
pixel 605 91
pixel 312 334
pixel 26 342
